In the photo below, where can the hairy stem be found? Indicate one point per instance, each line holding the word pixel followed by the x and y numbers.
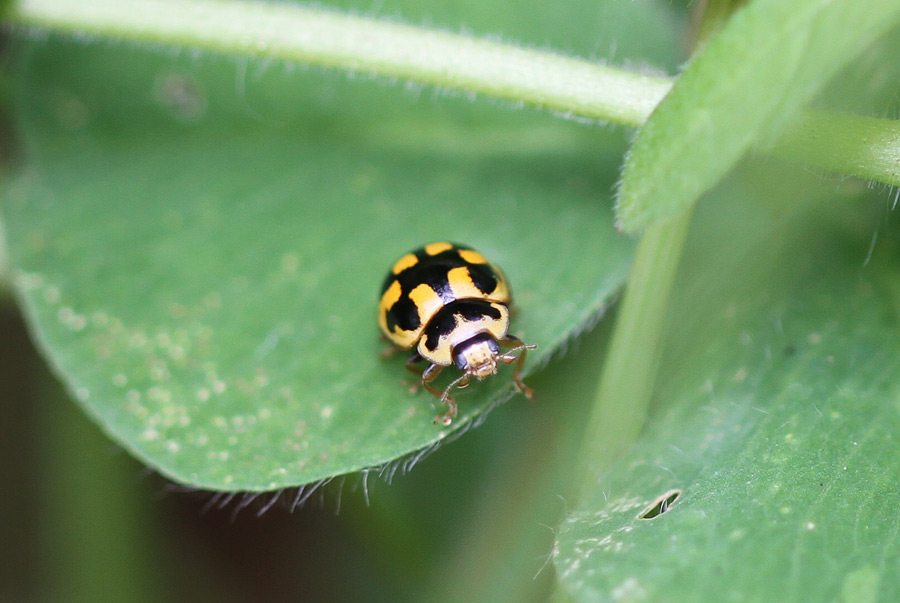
pixel 628 376
pixel 629 372
pixel 567 85
pixel 322 37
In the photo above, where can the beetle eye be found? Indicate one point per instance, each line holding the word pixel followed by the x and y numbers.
pixel 459 355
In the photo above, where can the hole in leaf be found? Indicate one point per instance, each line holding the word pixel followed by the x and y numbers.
pixel 660 505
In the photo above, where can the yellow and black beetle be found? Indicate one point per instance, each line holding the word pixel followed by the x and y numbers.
pixel 454 304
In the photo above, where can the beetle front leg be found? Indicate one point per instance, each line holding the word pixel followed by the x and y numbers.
pixel 429 375
pixel 516 344
pixel 413 366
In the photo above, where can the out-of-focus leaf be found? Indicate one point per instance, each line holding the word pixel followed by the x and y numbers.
pixel 743 87
pixel 774 426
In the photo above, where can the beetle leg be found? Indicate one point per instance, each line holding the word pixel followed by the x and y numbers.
pixel 388 352
pixel 412 365
pixel 446 418
pixel 516 345
pixel 429 375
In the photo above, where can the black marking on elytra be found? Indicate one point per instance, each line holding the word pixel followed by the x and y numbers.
pixel 483 277
pixel 436 278
pixel 403 314
pixel 462 310
pixel 432 270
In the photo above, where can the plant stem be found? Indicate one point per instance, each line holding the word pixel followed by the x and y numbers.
pixel 866 147
pixel 628 375
pixel 329 38
pixel 571 86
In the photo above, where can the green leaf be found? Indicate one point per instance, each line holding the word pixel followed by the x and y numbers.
pixel 774 420
pixel 199 246
pixel 742 88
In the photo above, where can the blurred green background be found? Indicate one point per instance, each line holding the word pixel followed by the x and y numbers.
pixel 779 261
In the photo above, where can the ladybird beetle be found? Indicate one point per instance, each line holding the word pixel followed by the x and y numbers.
pixel 454 304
